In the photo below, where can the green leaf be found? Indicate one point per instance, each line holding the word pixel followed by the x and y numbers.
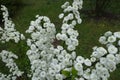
pixel 74 72
pixel 73 78
pixel 66 73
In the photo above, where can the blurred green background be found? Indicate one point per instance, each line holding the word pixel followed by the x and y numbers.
pixel 98 17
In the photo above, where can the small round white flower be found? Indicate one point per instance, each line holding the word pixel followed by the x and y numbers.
pixel 70 16
pixel 70 31
pixel 111 57
pixel 111 39
pixel 101 50
pixel 117 34
pixel 22 37
pixel 65 26
pixel 79 21
pixel 71 47
pixel 108 33
pixel 64 37
pixel 87 62
pixel 60 57
pixel 52 73
pixel 74 23
pixel 68 56
pixel 81 79
pixel 119 42
pixel 98 65
pixel 78 66
pixel 93 59
pixel 59 77
pixel 80 59
pixel 102 40
pixel 60 47
pixel 117 56
pixel 57 68
pixel 61 15
pixel 103 60
pixel 58 36
pixel 68 42
pixel 112 49
pixel 43 74
pixel 73 55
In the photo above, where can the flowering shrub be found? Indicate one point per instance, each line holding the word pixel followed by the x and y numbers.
pixel 50 62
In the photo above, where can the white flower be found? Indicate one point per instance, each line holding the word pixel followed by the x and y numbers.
pixel 79 21
pixel 52 73
pixel 73 55
pixel 75 42
pixel 60 47
pixel 29 42
pixel 103 60
pixel 58 36
pixel 102 40
pixel 66 4
pixel 61 15
pixel 66 62
pixel 74 23
pixel 63 37
pixel 105 73
pixel 67 56
pixel 70 31
pixel 68 42
pixel 22 37
pixel 70 15
pixel 117 34
pixel 43 74
pixel 119 42
pixel 78 66
pixel 111 39
pixel 57 68
pixel 112 49
pixel 71 47
pixel 87 62
pixel 60 57
pixel 65 26
pixel 98 65
pixel 81 79
pixel 80 59
pixel 101 50
pixel 110 65
pixel 33 47
pixel 93 59
pixel 59 77
pixel 111 57
pixel 108 33
pixel 117 56
pixel 93 76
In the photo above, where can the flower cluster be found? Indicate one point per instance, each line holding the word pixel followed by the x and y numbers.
pixel 9 32
pixel 49 62
pixel 42 35
pixel 102 61
pixel 7 57
pixel 68 34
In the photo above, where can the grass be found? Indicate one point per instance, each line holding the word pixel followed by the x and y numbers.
pixel 89 31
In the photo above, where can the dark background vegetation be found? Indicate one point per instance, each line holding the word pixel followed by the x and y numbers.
pixel 98 17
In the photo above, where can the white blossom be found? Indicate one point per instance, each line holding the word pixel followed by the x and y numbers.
pixel 111 39
pixel 112 49
pixel 117 34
